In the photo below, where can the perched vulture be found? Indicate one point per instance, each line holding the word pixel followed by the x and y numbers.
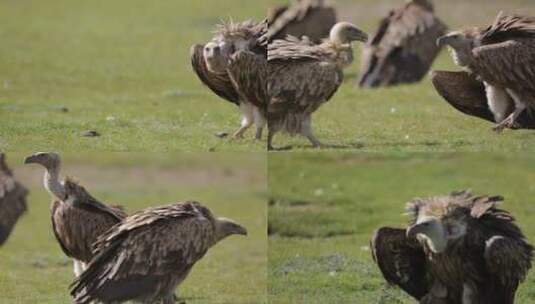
pixel 303 76
pixel 311 18
pixel 77 218
pixel 458 249
pixel 502 56
pixel 12 200
pixel 233 65
pixel 150 253
pixel 403 48
pixel 464 92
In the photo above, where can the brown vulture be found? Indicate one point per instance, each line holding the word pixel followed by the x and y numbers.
pixel 502 56
pixel 77 218
pixel 303 76
pixel 311 18
pixel 403 48
pixel 458 249
pixel 233 65
pixel 150 253
pixel 12 200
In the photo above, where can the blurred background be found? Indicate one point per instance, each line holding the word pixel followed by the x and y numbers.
pixel 33 269
pixel 325 207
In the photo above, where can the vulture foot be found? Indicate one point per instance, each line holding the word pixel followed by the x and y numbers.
pixel 509 122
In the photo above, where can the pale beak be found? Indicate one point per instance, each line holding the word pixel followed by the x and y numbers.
pixel 358 35
pixel 413 230
pixel 30 159
pixel 442 41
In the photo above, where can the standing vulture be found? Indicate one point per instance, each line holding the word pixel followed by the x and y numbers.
pixel 303 76
pixel 12 200
pixel 403 48
pixel 502 56
pixel 463 91
pixel 458 249
pixel 147 256
pixel 77 218
pixel 233 65
pixel 311 18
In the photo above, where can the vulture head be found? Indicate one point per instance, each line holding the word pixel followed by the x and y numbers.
pixel 49 160
pixel 226 227
pixel 229 38
pixel 461 44
pixel 440 220
pixel 345 33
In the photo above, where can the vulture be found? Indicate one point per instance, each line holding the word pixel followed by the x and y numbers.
pixel 311 18
pixel 403 48
pixel 502 57
pixel 303 76
pixel 150 253
pixel 458 249
pixel 77 218
pixel 234 66
pixel 12 200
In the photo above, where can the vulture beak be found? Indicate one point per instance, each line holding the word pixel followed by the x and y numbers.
pixel 240 230
pixel 443 41
pixel 30 159
pixel 413 230
pixel 358 35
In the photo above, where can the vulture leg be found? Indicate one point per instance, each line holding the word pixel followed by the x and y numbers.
pixel 510 121
pixel 247 119
pixel 306 130
pixel 499 102
pixel 271 133
pixel 78 268
pixel 260 123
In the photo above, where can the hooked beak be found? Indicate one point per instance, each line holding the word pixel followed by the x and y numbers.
pixel 30 159
pixel 358 35
pixel 412 231
pixel 240 230
pixel 442 41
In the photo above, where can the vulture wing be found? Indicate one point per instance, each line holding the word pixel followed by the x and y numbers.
pixel 509 64
pixel 467 94
pixel 78 224
pixel 508 261
pixel 291 62
pixel 219 84
pixel 464 92
pixel 248 73
pixel 12 201
pixel 149 250
pixel 401 260
pixel 311 18
pixel 403 48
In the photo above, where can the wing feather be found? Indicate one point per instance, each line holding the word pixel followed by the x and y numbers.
pixel 248 73
pixel 402 261
pixel 403 48
pixel 219 84
pixel 12 201
pixel 509 64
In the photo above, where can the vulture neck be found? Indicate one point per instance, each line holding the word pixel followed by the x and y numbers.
pixel 52 183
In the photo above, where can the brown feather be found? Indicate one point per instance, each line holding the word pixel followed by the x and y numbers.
pixel 12 200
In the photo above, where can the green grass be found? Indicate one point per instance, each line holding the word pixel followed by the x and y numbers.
pixel 121 68
pixel 35 270
pixel 325 208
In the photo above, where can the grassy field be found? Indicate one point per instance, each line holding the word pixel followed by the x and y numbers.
pixel 118 67
pixel 33 269
pixel 325 208
pixel 122 68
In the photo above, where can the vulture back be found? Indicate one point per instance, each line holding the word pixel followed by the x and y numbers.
pixel 12 200
pixel 403 48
